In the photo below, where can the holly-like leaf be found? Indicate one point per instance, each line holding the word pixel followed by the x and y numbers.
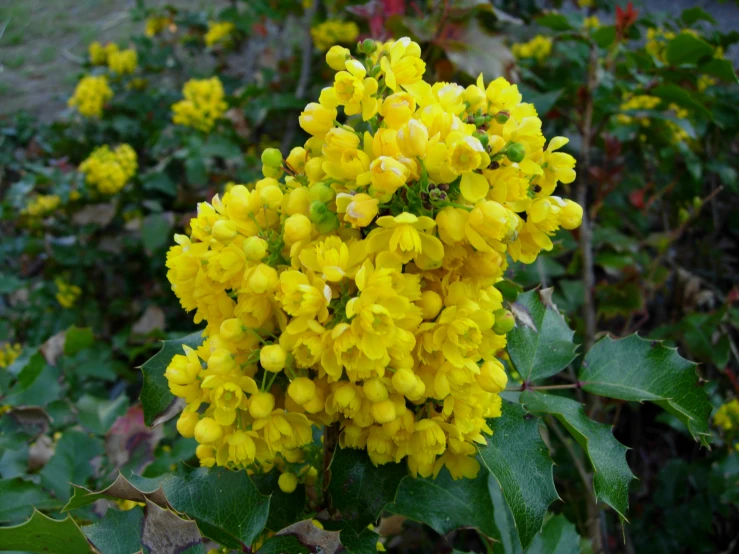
pixel 119 532
pixel 43 534
pixel 284 508
pixel 18 498
pixel 359 543
pixel 226 504
pixel 358 489
pixel 687 49
pixel 303 538
pixel 721 68
pixel 636 369
pixel 71 463
pixel 541 343
pixel 558 536
pixel 518 458
pixel 612 475
pixel 156 398
pixel 164 531
pixel 445 504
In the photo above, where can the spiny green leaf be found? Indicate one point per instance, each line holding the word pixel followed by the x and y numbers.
pixel 361 543
pixel 721 68
pixel 359 489
pixel 165 531
pixel 156 398
pixel 636 369
pixel 612 475
pixel 284 509
pixel 518 458
pixel 45 535
pixel 18 498
pixel 445 504
pixel 119 532
pixel 541 343
pixel 71 463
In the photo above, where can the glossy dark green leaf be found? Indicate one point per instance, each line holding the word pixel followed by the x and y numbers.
pixel 119 532
pixel 284 509
pixel 558 536
pixel 45 535
pixel 97 414
pixel 685 49
pixel 76 339
pixel 18 497
pixel 445 504
pixel 721 68
pixel 72 462
pixel 681 97
pixel 518 458
pixel 541 344
pixel 604 36
pixel 636 369
pixel 359 543
pixel 611 475
pixel 155 396
pixel 691 15
pixel 358 489
pixel 155 231
pixel 555 21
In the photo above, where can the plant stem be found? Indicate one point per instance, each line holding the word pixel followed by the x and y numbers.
pixel 330 440
pixel 546 387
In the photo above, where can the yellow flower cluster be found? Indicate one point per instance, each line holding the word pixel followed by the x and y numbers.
pixel 203 105
pixel 157 24
pixel 647 102
pixel 354 284
pixel 591 22
pixel 334 31
pixel 109 170
pixel 727 416
pixel 123 62
pixel 538 48
pixel 66 294
pixel 90 96
pixel 42 204
pixel 99 54
pixel 218 32
pixel 9 353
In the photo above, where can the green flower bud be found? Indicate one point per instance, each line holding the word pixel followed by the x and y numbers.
pixel 368 46
pixel 322 193
pixel 271 157
pixel 318 211
pixel 504 321
pixel 329 223
pixel 501 117
pixel 515 152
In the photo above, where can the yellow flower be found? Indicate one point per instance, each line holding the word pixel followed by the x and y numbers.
pixel 397 109
pixel 403 64
pixel 123 62
pixel 91 95
pixel 288 482
pixel 727 416
pixel 359 209
pixel 9 353
pixel 356 92
pixel 67 294
pixel 156 24
pixel 537 48
pixel 109 170
pixel 405 234
pixel 387 176
pixel 218 32
pixel 203 105
pixel 332 32
pixel 337 57
pixel 41 205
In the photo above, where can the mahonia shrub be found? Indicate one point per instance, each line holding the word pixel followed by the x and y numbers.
pixel 354 284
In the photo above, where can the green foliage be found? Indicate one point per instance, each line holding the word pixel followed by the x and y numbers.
pixel 43 534
pixel 636 369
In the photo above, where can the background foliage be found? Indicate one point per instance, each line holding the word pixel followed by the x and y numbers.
pixel 648 101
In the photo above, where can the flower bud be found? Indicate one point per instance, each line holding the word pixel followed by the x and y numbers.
pixel 297 228
pixel 502 117
pixel 186 423
pixel 314 169
pixel 288 482
pixel 430 304
pixel 272 172
pixel 492 377
pixel 383 412
pixel 413 139
pixel 271 157
pixel 261 279
pixel 388 175
pixel 368 46
pixel 204 451
pixel 358 209
pixel 261 404
pixel 207 431
pixel 271 197
pixel 255 248
pixel 329 223
pixel 374 390
pixel 232 329
pixel 515 152
pixel 570 216
pixel 224 230
pixel 404 381
pixel 302 390
pixel 272 357
pixel 504 321
pixel 336 57
pixel 297 158
pixel 221 361
pixel 321 192
pixel 318 211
